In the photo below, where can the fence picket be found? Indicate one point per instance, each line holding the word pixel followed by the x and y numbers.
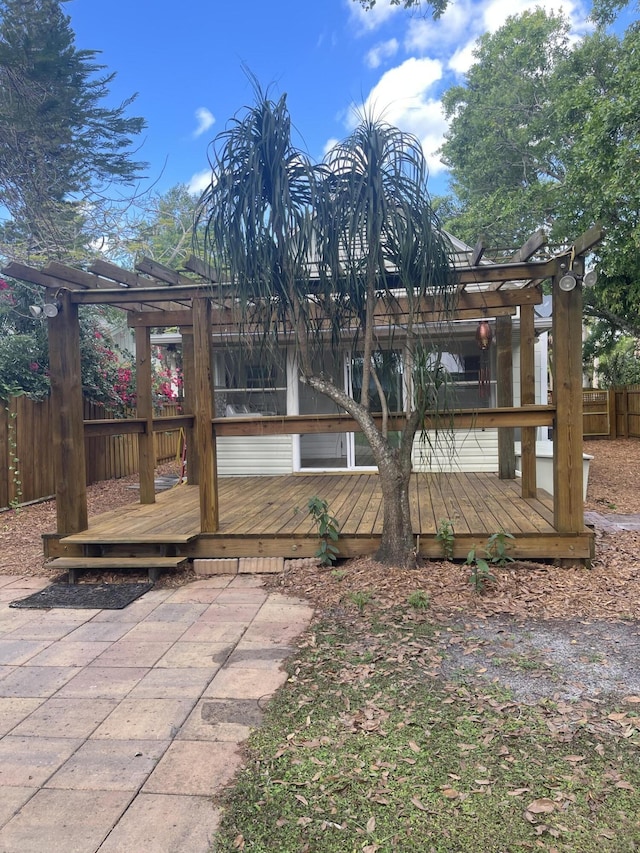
pixel 25 433
pixel 612 413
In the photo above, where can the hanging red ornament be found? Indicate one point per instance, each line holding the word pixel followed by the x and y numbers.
pixel 484 336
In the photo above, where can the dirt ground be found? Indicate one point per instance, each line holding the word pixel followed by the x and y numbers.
pixel 569 633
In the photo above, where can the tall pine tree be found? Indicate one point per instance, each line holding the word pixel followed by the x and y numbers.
pixel 60 147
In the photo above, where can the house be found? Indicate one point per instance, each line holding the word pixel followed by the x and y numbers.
pixel 248 387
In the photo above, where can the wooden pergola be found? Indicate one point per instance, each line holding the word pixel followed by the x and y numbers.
pixel 157 297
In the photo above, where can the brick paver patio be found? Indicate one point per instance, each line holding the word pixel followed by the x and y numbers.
pixel 118 727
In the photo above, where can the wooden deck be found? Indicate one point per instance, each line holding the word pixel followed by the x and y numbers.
pixel 267 516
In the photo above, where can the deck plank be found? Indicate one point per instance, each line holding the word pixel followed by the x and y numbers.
pixel 258 513
pixel 351 524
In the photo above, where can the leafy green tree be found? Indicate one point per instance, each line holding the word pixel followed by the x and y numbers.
pixel 163 230
pixel 544 133
pixel 272 217
pixel 505 145
pixel 61 149
pixel 620 366
pixel 437 6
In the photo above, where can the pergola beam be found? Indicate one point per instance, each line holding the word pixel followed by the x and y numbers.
pixel 528 249
pixel 468 306
pixel 585 242
pixel 162 273
pixel 201 268
pixel 478 252
pixel 116 273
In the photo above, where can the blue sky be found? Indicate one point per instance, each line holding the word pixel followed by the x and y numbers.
pixel 185 61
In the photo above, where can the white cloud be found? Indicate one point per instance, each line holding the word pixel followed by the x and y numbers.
pixel 496 12
pixel 425 34
pixel 373 18
pixel 205 119
pixel 381 51
pixel 463 58
pixel 199 182
pixel 454 36
pixel 408 95
pixel 401 97
pixel 329 144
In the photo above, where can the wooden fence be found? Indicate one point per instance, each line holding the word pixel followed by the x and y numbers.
pixel 25 437
pixel 611 414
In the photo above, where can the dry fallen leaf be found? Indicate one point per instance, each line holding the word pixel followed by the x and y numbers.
pixel 606 833
pixel 631 699
pixel 419 805
pixel 626 786
pixel 371 824
pixel 451 793
pixel 541 806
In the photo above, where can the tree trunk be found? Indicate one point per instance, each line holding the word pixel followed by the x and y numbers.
pixel 397 546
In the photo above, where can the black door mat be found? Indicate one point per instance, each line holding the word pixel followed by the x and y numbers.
pixel 85 596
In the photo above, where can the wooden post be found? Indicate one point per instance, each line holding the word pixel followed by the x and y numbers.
pixel 613 417
pixel 506 449
pixel 144 409
pixel 568 505
pixel 527 398
pixel 67 426
pixel 623 409
pixel 188 390
pixel 204 411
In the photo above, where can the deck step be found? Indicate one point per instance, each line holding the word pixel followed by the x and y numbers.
pixel 88 537
pixel 151 564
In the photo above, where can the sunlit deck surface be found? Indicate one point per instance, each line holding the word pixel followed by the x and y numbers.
pixel 267 516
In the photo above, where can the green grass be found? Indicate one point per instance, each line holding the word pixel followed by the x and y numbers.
pixel 367 749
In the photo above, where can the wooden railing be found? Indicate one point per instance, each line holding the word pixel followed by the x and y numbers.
pixel 25 436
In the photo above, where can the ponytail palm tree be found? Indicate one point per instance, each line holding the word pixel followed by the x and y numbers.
pixel 381 250
pixel 331 256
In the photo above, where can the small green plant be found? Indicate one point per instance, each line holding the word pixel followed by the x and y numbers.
pixel 445 536
pixel 328 530
pixel 480 572
pixel 361 599
pixel 419 600
pixel 496 548
pixel 339 574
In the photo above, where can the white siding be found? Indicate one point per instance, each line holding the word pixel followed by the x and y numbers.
pixel 540 369
pixel 463 450
pixel 249 456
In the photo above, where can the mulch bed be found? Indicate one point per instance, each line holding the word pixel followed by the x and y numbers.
pixel 608 590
